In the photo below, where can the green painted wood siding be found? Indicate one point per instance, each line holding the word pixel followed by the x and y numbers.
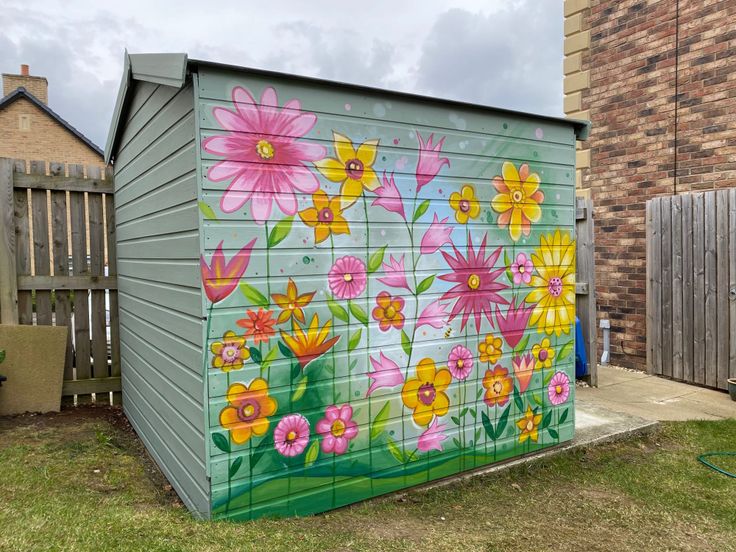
pixel 159 284
pixel 374 399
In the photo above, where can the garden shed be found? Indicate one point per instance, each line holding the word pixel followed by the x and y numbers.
pixel 328 292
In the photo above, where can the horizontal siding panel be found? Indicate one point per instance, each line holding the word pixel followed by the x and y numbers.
pixel 188 328
pixel 181 272
pixel 176 246
pixel 182 218
pixel 179 193
pixel 181 299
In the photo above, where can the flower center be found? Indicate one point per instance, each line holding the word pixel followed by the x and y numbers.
pixel 530 425
pixel 347 277
pixel 517 196
pixel 264 149
pixel 555 287
pixel 543 354
pixel 558 389
pixel 292 306
pixel 426 394
pixel 354 168
pixel 460 363
pixel 248 411
pixel 464 205
pixel 497 387
pixel 390 312
pixel 290 437
pixel 229 352
pixel 521 269
pixel 473 281
pixel 325 216
pixel 338 428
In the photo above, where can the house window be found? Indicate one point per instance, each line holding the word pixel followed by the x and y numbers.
pixel 24 122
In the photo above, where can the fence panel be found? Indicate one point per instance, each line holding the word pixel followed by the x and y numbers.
pixel 691 287
pixel 57 257
pixel 585 307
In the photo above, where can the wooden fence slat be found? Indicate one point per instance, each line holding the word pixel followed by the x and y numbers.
pixel 67 282
pixel 67 184
pixel 732 280
pixel 654 298
pixel 22 246
pixel 110 240
pixel 585 308
pixel 711 293
pixel 722 277
pixel 687 287
pixel 699 288
pixel 676 254
pixel 8 271
pixel 666 301
pixel 41 246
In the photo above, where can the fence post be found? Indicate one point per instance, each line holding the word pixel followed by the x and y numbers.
pixel 8 279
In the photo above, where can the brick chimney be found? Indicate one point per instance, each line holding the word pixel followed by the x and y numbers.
pixel 38 86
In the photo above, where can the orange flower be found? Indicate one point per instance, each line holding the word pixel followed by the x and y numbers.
pixel 490 348
pixel 325 217
pixel 312 344
pixel 518 199
pixel 230 353
pixel 388 311
pixel 259 325
pixel 498 385
pixel 248 411
pixel 529 425
pixel 291 303
pixel 425 393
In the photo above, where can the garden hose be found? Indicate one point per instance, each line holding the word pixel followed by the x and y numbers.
pixel 703 460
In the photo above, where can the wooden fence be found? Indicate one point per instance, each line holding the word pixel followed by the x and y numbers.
pixel 585 307
pixel 691 287
pixel 57 266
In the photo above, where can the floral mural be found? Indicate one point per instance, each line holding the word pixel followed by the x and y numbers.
pixel 381 311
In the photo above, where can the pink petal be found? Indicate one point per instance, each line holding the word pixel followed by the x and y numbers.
pixel 229 120
pixel 341 445
pixel 225 170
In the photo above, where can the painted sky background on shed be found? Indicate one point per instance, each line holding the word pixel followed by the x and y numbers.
pixel 505 53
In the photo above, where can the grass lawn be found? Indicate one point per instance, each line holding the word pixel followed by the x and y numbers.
pixel 80 481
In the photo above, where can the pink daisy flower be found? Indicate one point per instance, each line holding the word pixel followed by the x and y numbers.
pixel 522 269
pixel 460 362
pixel 347 277
pixel 337 429
pixel 559 388
pixel 291 435
pixel 264 159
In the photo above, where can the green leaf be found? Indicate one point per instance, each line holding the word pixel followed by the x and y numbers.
pixel 563 417
pixel 463 412
pixel 405 343
pixel 207 211
pixel 260 450
pixel 473 413
pixel 537 399
pixel 395 451
pixel 358 313
pixel 502 421
pixel 549 377
pixel 553 433
pixel 336 310
pixel 457 442
pixel 285 351
pixel 235 466
pixel 517 400
pixel 376 258
pixel 507 262
pixel 477 434
pixel 546 420
pixel 379 422
pixel 411 456
pixel 269 358
pixel 425 284
pixel 300 389
pixel 522 344
pixel 255 297
pixel 279 232
pixel 312 453
pixel 455 420
pixel 565 350
pixel 423 206
pixel 354 339
pixel 488 426
pixel 255 354
pixel 221 442
pixel 295 369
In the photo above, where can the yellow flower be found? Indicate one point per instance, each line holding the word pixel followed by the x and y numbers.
pixel 310 345
pixel 529 425
pixel 490 349
pixel 553 285
pixel 230 353
pixel 543 353
pixel 465 205
pixel 325 217
pixel 248 410
pixel 291 303
pixel 354 168
pixel 425 393
pixel 518 199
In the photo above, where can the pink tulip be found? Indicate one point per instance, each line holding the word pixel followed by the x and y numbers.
pixel 432 437
pixel 513 325
pixel 430 162
pixel 437 235
pixel 395 274
pixel 389 197
pixel 435 314
pixel 523 366
pixel 220 278
pixel 386 373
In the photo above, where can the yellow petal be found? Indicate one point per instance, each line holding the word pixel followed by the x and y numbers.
pixel 309 216
pixel 331 169
pixel 370 180
pixel 426 370
pixel 510 174
pixel 367 152
pixel 343 147
pixel 234 392
pixel 530 185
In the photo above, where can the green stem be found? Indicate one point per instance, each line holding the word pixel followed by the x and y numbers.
pixel 368 330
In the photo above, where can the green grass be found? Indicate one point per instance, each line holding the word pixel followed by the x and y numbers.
pixel 80 481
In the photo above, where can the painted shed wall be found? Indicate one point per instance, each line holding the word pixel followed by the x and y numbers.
pixel 291 433
pixel 159 284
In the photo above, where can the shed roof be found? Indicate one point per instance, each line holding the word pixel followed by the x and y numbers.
pixel 22 93
pixel 172 69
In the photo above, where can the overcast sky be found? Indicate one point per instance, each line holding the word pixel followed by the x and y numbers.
pixel 506 53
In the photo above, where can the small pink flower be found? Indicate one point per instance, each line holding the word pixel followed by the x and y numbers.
pixel 395 274
pixel 435 314
pixel 430 162
pixel 291 435
pixel 513 325
pixel 347 277
pixel 437 235
pixel 559 388
pixel 432 437
pixel 337 429
pixel 389 197
pixel 460 362
pixel 386 373
pixel 522 269
pixel 523 366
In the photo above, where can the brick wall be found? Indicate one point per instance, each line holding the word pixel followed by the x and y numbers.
pixel 663 123
pixel 38 86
